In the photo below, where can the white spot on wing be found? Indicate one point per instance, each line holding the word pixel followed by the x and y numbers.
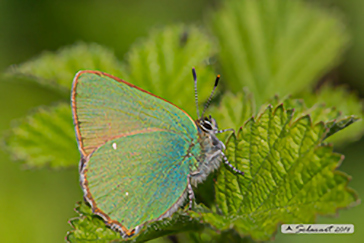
pixel 126 193
pixel 114 146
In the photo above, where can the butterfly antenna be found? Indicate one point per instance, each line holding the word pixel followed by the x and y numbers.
pixel 211 95
pixel 196 96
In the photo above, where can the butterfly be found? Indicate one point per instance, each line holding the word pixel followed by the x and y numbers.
pixel 140 154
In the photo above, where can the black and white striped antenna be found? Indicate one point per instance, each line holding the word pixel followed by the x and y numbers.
pixel 196 95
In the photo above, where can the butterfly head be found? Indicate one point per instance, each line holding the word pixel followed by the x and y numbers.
pixel 207 124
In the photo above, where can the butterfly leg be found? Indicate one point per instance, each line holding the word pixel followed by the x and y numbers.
pixel 191 195
pixel 226 161
pixel 224 130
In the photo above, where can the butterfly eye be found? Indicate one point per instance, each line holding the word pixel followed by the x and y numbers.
pixel 207 125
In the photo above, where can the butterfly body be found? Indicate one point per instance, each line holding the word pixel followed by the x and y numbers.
pixel 139 153
pixel 211 147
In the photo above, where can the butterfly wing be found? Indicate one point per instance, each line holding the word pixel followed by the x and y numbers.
pixel 105 107
pixel 134 147
pixel 139 178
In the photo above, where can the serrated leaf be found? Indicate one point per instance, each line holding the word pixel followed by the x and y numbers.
pixel 91 228
pixel 336 113
pixel 335 126
pixel 45 138
pixel 162 64
pixel 347 103
pixel 235 109
pixel 290 176
pixel 57 69
pixel 276 47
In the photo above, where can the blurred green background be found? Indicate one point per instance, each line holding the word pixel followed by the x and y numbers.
pixel 35 205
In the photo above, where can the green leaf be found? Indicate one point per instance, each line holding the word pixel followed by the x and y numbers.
pixel 162 64
pixel 333 119
pixel 335 126
pixel 347 103
pixel 91 228
pixel 56 70
pixel 44 138
pixel 276 47
pixel 235 109
pixel 290 176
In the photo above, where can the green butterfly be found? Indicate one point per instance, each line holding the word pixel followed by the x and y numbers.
pixel 140 154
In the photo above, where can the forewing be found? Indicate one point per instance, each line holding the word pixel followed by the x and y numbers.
pixel 105 107
pixel 137 178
